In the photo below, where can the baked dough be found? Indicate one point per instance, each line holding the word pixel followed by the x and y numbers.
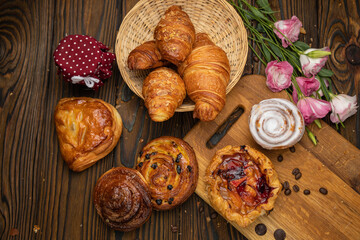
pixel 122 199
pixel 88 129
pixel 242 184
pixel 170 168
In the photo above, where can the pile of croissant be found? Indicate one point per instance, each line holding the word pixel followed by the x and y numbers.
pixel 203 69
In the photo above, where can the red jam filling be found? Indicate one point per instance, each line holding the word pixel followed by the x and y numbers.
pixel 236 170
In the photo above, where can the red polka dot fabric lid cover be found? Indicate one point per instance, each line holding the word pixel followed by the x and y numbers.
pixel 83 60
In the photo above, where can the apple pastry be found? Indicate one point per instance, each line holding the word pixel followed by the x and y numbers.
pixel 170 168
pixel 88 129
pixel 242 184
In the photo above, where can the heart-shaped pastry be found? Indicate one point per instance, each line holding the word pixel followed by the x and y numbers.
pixel 88 129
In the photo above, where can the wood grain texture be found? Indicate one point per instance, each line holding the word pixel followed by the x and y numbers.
pixel 312 217
pixel 37 188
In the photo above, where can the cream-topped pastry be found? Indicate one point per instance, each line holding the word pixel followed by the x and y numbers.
pixel 276 123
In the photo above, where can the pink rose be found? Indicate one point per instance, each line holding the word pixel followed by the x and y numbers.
pixel 278 75
pixel 290 28
pixel 344 106
pixel 312 108
pixel 308 85
pixel 312 60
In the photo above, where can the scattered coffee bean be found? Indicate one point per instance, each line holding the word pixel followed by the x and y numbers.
pixel 147 156
pixel 306 191
pixel 298 176
pixel 280 158
pixel 296 188
pixel 158 201
pixel 178 157
pixel 174 229
pixel 279 234
pixel 292 149
pixel 154 165
pixel 256 59
pixel 295 171
pixel 170 201
pixel 323 191
pixel 260 229
pixel 287 192
pixel 213 215
pixel 286 185
pixel 189 168
pixel 169 187
pixel 178 169
pixel 140 164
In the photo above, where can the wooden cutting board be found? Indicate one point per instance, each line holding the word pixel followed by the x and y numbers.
pixel 315 216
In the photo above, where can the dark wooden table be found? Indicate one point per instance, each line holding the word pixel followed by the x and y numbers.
pixel 40 197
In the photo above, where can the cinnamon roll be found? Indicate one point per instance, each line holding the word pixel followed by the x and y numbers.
pixel 170 168
pixel 122 199
pixel 276 123
pixel 242 184
pixel 88 129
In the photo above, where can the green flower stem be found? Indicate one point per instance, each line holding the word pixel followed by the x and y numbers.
pixel 257 55
pixel 311 136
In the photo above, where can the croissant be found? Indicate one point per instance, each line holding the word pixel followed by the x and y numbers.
pixel 145 56
pixel 175 35
pixel 163 91
pixel 206 73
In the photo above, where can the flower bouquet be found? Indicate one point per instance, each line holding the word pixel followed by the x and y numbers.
pixel 293 66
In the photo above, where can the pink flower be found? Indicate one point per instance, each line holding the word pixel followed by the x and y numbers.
pixel 312 108
pixel 312 60
pixel 344 106
pixel 290 28
pixel 278 75
pixel 294 94
pixel 308 85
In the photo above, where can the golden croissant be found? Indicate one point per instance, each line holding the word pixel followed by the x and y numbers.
pixel 175 35
pixel 145 56
pixel 206 73
pixel 163 92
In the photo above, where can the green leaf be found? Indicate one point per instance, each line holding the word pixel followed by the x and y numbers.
pixel 301 45
pixel 276 50
pixel 325 73
pixel 264 4
pixel 249 15
pixel 324 89
pixel 257 13
pixel 267 54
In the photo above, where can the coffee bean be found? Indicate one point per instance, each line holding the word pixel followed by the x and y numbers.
pixel 292 149
pixel 296 188
pixel 306 191
pixel 189 168
pixel 295 171
pixel 286 185
pixel 279 234
pixel 298 176
pixel 174 229
pixel 260 229
pixel 280 158
pixel 154 165
pixel 323 191
pixel 169 187
pixel 171 199
pixel 213 215
pixel 158 201
pixel 287 192
pixel 256 59
pixel 147 156
pixel 140 164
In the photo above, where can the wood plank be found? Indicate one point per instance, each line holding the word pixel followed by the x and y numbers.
pixel 315 216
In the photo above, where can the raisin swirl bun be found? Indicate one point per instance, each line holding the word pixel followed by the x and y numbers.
pixel 276 123
pixel 170 168
pixel 122 199
pixel 242 184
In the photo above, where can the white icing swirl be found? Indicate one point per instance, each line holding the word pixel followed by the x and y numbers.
pixel 276 123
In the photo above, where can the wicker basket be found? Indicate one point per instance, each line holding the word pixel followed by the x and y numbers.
pixel 215 17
